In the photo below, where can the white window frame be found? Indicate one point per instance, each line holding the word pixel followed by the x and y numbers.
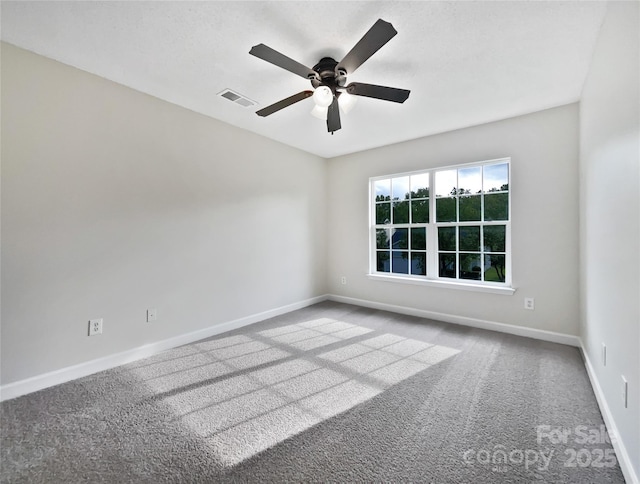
pixel 432 278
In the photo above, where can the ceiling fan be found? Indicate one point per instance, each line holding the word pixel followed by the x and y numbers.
pixel 329 77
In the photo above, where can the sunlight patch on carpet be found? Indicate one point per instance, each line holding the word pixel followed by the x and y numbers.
pixel 244 394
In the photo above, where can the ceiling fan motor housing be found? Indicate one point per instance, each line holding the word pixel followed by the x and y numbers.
pixel 326 70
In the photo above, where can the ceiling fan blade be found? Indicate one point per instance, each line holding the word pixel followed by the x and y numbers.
pixel 378 35
pixel 284 103
pixel 276 58
pixel 333 116
pixel 378 92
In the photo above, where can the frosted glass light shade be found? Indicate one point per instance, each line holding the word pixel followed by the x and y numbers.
pixel 323 96
pixel 320 112
pixel 346 102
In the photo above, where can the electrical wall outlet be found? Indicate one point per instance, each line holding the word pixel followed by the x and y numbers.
pixel 95 327
pixel 152 315
pixel 529 303
pixel 343 280
pixel 604 354
pixel 625 391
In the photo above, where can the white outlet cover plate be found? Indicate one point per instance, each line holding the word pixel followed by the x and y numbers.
pixel 152 315
pixel 95 327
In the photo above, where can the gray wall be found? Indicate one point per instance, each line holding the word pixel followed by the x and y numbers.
pixel 610 216
pixel 114 202
pixel 544 177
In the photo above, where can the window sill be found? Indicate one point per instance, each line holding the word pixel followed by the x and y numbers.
pixel 504 290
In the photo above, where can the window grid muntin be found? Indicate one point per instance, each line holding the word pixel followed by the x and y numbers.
pixel 482 252
pixel 402 203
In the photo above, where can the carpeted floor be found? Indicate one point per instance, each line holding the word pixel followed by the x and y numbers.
pixel 328 393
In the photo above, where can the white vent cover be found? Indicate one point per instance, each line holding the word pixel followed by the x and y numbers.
pixel 237 98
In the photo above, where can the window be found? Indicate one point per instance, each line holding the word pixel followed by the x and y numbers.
pixel 446 225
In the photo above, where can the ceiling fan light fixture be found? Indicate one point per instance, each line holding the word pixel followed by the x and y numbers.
pixel 346 102
pixel 319 112
pixel 323 96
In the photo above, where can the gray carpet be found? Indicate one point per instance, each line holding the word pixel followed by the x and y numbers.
pixel 328 393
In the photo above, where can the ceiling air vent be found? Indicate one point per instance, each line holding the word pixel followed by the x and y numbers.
pixel 237 98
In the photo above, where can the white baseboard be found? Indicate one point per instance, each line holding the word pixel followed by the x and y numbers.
pixel 39 382
pixel 540 334
pixel 618 445
pixel 29 385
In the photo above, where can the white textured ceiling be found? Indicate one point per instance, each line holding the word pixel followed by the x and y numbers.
pixel 466 63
